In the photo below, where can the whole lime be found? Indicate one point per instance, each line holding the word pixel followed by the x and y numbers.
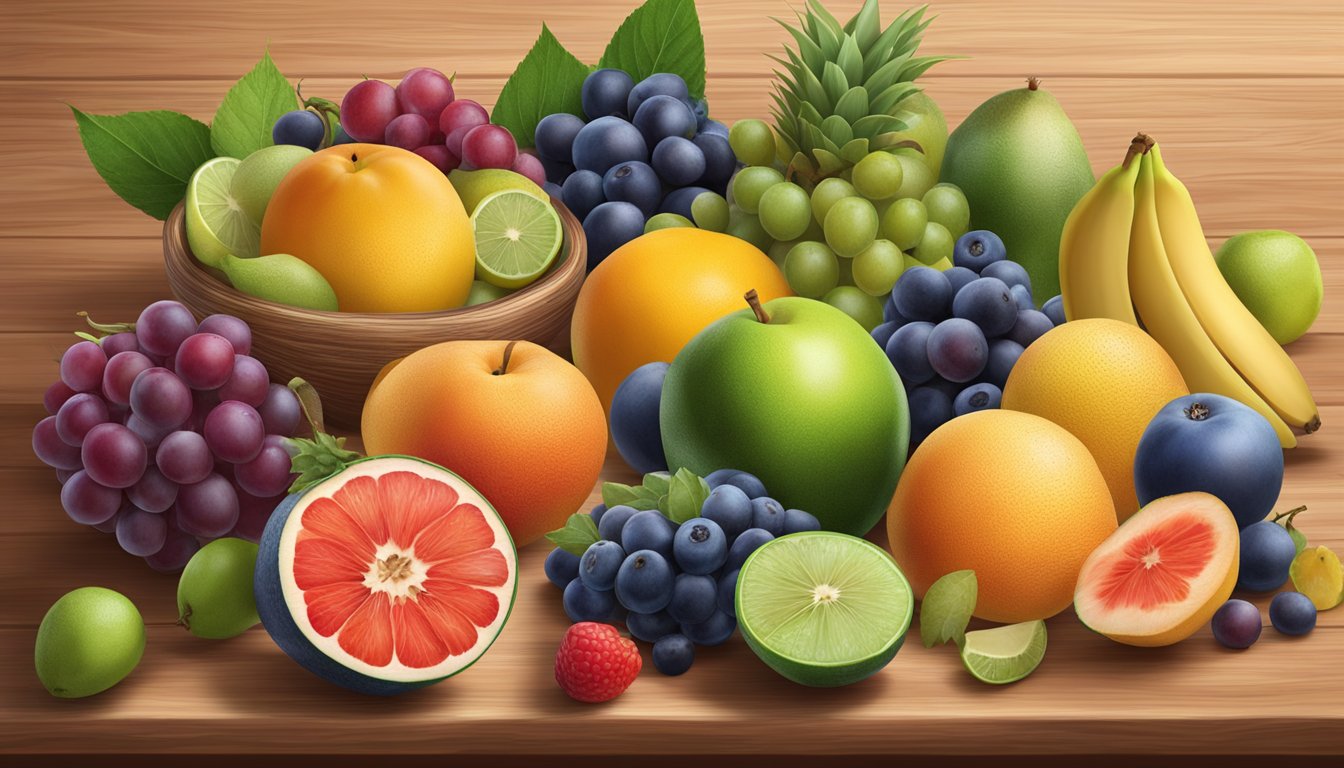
pixel 88 642
pixel 260 173
pixel 1277 277
pixel 214 595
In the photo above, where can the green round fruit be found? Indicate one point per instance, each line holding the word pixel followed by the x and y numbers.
pixel 483 293
pixel 926 126
pixel 751 183
pixel 710 211
pixel 89 641
pixel 947 205
pixel 1276 275
pixel 876 269
pixel 753 142
pixel 745 226
pixel 903 222
pixel 666 221
pixel 878 175
pixel 823 609
pixel 935 245
pixel 828 192
pixel 785 211
pixel 866 310
pixel 916 178
pixel 850 226
pixel 214 595
pixel 260 173
pixel 811 269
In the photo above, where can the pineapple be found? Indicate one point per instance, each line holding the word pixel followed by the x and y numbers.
pixel 843 86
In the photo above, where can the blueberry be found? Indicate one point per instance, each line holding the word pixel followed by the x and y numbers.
pixel 659 84
pixel 562 567
pixel 557 173
pixel 768 515
pixel 679 201
pixel 648 530
pixel 555 136
pixel 598 566
pixel 605 92
pixel 701 109
pixel 959 277
pixel 607 142
pixel 581 193
pixel 636 183
pixel 1009 272
pixel 988 302
pixel 678 161
pixel 727 592
pixel 930 408
pixel 796 520
pixel 634 418
pixel 608 227
pixel 922 293
pixel 728 506
pixel 715 479
pixel 882 333
pixel 713 631
pixel 673 654
pixel 553 189
pixel 596 513
pixel 977 397
pixel 958 350
pixel 644 582
pixel 613 520
pixel 749 483
pixel 1267 550
pixel 1236 624
pixel 720 162
pixel 978 249
pixel 1292 613
pixel 584 604
pixel 908 351
pixel 1054 309
pixel 890 313
pixel 693 598
pixel 747 542
pixel 300 128
pixel 700 546
pixel 1031 324
pixel 663 116
pixel 1003 355
pixel 714 128
pixel 651 626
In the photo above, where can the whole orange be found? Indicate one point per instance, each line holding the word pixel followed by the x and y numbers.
pixel 1103 381
pixel 381 224
pixel 528 433
pixel 653 294
pixel 1008 495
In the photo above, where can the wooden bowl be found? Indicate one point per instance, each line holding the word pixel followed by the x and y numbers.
pixel 340 353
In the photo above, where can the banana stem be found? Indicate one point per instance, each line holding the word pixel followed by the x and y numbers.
pixel 1141 144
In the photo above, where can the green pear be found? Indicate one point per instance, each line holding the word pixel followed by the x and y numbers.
pixel 214 594
pixel 926 126
pixel 89 641
pixel 281 278
pixel 260 173
pixel 1277 277
pixel 797 393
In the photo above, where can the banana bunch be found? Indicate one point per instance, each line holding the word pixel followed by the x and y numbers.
pixel 1133 250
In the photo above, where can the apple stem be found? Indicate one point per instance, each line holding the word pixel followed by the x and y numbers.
pixel 1033 83
pixel 1140 145
pixel 504 366
pixel 754 301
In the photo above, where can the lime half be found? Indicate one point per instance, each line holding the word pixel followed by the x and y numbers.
pixel 217 225
pixel 517 238
pixel 822 608
pixel 1004 654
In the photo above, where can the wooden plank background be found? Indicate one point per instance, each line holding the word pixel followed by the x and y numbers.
pixel 1247 99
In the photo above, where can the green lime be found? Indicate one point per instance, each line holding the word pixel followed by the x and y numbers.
pixel 823 608
pixel 667 221
pixel 88 642
pixel 474 186
pixel 217 223
pixel 1004 654
pixel 214 594
pixel 517 238
pixel 261 172
pixel 484 293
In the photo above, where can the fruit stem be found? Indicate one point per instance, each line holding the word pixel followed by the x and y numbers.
pixel 309 402
pixel 1033 83
pixel 754 301
pixel 106 327
pixel 504 366
pixel 1288 516
pixel 1313 425
pixel 1140 145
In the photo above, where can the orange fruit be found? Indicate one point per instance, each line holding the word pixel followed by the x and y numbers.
pixel 1102 380
pixel 384 227
pixel 1009 495
pixel 653 294
pixel 531 438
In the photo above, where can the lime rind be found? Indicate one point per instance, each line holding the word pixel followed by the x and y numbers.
pixel 517 238
pixel 1004 654
pixel 216 223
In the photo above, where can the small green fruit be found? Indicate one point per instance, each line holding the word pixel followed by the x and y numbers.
pixel 281 278
pixel 89 641
pixel 1277 277
pixel 214 595
pixel 260 173
pixel 483 292
pixel 474 186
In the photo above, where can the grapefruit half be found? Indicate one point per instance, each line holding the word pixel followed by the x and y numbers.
pixel 388 576
pixel 1163 573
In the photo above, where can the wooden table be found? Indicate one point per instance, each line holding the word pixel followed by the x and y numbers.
pixel 1247 99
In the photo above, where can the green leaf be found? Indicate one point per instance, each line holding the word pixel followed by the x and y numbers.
pixel 147 158
pixel 854 151
pixel 851 61
pixel 244 120
pixel 660 36
pixel 637 496
pixel 686 496
pixel 658 482
pixel 947 608
pixel 317 459
pixel 853 105
pixel 865 25
pixel 579 533
pixel 546 81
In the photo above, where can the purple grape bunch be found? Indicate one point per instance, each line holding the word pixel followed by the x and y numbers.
pixel 168 435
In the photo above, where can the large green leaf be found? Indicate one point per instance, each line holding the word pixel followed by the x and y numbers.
pixel 549 79
pixel 245 118
pixel 145 157
pixel 660 36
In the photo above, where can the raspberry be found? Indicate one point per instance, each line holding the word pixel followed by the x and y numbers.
pixel 594 663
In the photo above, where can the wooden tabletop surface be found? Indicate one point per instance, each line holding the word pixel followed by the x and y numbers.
pixel 1247 99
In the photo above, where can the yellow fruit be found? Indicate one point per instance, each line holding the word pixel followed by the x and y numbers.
pixel 1006 494
pixel 1102 380
pixel 1317 573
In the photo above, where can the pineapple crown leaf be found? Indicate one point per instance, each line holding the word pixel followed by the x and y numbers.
pixel 866 26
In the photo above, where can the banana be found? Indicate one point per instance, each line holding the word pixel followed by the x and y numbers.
pixel 1094 248
pixel 1234 330
pixel 1168 318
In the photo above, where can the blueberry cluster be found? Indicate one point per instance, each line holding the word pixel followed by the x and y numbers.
pixel 674 583
pixel 955 335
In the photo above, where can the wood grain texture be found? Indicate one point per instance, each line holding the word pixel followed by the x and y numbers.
pixel 1247 99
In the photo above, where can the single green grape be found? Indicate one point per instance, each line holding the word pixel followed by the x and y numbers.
pixel 851 226
pixel 878 175
pixel 751 183
pixel 779 250
pixel 947 205
pixel 710 211
pixel 903 223
pixel 785 211
pixel 745 226
pixel 866 310
pixel 876 269
pixel 827 192
pixel 936 244
pixel 811 269
pixel 666 221
pixel 916 178
pixel 753 142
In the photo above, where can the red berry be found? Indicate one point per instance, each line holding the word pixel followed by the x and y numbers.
pixel 438 155
pixel 595 663
pixel 530 166
pixel 463 113
pixel 488 146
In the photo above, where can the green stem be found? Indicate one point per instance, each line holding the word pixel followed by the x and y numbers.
pixel 1287 517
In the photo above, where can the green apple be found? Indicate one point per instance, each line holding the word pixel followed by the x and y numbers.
pixel 796 393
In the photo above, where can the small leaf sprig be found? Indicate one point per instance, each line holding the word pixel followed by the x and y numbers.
pixel 678 497
pixel 321 456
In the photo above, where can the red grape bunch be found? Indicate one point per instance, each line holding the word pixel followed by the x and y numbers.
pixel 169 434
pixel 421 115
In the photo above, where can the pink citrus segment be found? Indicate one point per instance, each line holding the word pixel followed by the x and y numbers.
pixel 323 561
pixel 456 611
pixel 411 503
pixel 331 606
pixel 1156 566
pixel 326 518
pixel 368 634
pixel 417 640
pixel 359 498
pixel 483 568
